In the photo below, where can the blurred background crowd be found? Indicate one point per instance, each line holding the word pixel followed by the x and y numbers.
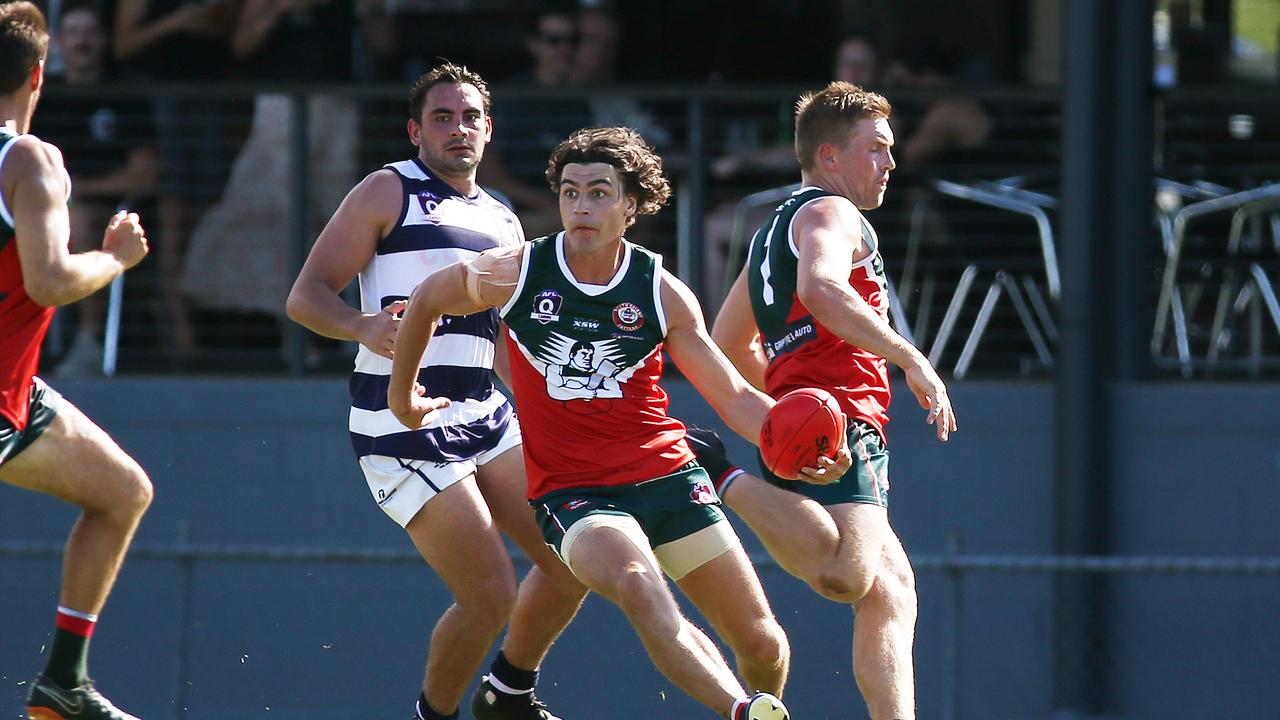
pixel 236 126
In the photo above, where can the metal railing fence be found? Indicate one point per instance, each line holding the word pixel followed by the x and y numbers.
pixel 232 290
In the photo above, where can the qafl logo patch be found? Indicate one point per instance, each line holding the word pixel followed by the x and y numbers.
pixel 628 317
pixel 546 306
pixel 429 203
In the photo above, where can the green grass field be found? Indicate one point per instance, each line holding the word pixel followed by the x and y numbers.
pixel 1258 21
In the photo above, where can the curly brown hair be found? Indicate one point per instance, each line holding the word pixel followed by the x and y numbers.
pixel 827 116
pixel 639 166
pixel 446 72
pixel 24 41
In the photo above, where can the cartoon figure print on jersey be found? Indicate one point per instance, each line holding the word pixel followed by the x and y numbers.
pixel 580 370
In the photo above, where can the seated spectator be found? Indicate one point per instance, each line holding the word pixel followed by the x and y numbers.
pixel 179 41
pixel 946 140
pixel 595 68
pixel 952 123
pixel 527 129
pixel 109 143
pixel 242 255
pixel 856 61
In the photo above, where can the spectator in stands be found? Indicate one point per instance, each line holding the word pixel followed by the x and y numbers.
pixel 241 257
pixel 953 122
pixel 179 41
pixel 529 128
pixel 946 140
pixel 856 61
pixel 109 144
pixel 595 67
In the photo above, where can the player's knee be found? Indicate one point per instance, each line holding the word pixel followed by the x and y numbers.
pixel 900 587
pixel 765 645
pixel 492 602
pixel 844 582
pixel 127 497
pixel 894 594
pixel 141 492
pixel 641 593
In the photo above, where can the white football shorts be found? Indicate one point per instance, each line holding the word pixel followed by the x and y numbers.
pixel 401 487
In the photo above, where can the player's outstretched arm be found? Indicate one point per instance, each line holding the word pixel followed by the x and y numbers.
pixel 741 406
pixel 347 243
pixel 459 289
pixel 35 190
pixel 736 333
pixel 829 236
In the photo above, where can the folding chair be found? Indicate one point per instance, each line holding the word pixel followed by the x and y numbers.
pixel 1173 307
pixel 1033 310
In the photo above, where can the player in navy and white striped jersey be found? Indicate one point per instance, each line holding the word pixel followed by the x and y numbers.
pixel 447 484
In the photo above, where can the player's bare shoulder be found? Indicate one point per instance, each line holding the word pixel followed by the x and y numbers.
pixel 377 201
pixel 30 159
pixel 492 275
pixel 381 188
pixel 30 155
pixel 679 303
pixel 830 210
pixel 829 217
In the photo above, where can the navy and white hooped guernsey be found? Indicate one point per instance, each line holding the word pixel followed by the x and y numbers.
pixel 438 226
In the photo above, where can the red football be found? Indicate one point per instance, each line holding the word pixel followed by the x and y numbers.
pixel 804 424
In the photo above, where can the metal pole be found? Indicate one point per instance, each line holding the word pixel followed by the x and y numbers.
pixel 691 239
pixel 951 630
pixel 1133 234
pixel 1081 453
pixel 299 235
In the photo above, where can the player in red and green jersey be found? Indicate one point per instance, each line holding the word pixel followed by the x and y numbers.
pixel 46 443
pixel 810 309
pixel 615 486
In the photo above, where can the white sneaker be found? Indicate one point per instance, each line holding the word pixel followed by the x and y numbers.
pixel 763 706
pixel 83 359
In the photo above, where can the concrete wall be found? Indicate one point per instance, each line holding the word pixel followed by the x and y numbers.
pixel 267 463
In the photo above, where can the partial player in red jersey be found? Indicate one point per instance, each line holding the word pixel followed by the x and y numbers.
pixel 810 309
pixel 610 474
pixel 46 444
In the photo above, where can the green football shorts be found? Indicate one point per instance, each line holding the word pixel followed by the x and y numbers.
pixel 41 409
pixel 678 516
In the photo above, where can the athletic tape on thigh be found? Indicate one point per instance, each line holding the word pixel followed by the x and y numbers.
pixel 683 556
pixel 625 524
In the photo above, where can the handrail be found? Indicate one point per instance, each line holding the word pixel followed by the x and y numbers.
pixel 234 552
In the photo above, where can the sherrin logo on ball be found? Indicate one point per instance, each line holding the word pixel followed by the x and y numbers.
pixel 627 316
pixel 804 424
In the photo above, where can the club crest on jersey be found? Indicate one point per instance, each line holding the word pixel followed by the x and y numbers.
pixel 429 202
pixel 703 494
pixel 546 306
pixel 628 317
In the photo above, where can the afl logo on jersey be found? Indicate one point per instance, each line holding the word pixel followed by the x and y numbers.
pixel 546 306
pixel 429 203
pixel 628 317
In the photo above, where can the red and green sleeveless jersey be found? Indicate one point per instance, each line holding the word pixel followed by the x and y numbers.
pixel 585 365
pixel 23 323
pixel 802 353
